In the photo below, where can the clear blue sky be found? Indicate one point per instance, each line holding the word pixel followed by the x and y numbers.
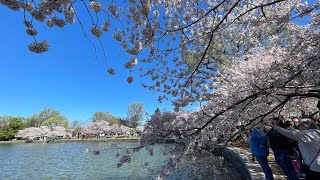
pixel 67 78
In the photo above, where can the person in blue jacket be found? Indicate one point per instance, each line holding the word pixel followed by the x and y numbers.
pixel 260 149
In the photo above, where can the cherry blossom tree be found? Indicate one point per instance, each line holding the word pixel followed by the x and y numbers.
pixel 96 128
pixel 34 132
pixel 60 131
pixel 43 132
pixel 271 82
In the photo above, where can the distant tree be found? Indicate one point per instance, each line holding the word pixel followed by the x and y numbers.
pixel 4 121
pixel 57 120
pixel 124 122
pixel 99 116
pixel 37 119
pixel 104 116
pixel 32 121
pixel 9 131
pixel 46 114
pixel 47 117
pixel 76 126
pixel 135 113
pixel 112 119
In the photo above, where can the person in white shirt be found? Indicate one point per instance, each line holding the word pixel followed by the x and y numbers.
pixel 308 137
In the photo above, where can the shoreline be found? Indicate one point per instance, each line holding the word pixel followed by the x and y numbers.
pixel 119 139
pixel 71 140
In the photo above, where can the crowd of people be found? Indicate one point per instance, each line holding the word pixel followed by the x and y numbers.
pixel 295 144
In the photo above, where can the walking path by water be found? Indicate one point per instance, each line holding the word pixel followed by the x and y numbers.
pixel 255 168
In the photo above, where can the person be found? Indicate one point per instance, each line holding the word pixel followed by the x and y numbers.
pixel 308 138
pixel 289 125
pixel 259 147
pixel 282 147
pixel 295 121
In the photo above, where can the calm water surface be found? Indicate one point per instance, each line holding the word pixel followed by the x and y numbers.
pixel 65 161
pixel 71 161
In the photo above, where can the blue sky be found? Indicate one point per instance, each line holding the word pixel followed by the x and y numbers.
pixel 68 78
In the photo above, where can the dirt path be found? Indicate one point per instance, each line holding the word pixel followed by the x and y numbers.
pixel 254 167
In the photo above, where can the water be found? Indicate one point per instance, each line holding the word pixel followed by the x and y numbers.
pixel 65 161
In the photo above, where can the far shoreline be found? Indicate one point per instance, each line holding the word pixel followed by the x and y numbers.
pixel 71 140
pixel 120 139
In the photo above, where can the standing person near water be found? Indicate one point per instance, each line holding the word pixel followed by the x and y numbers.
pixel 282 148
pixel 260 149
pixel 308 138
